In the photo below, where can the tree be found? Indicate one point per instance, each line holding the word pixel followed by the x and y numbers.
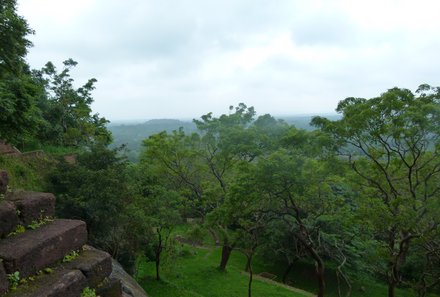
pixel 96 189
pixel 13 34
pixel 175 158
pixel 298 185
pixel 67 111
pixel 17 87
pixel 392 143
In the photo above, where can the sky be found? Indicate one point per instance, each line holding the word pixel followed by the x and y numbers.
pixel 182 59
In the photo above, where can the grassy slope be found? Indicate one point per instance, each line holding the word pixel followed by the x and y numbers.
pixel 27 173
pixel 196 274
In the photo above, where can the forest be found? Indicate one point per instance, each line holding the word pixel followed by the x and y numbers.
pixel 348 208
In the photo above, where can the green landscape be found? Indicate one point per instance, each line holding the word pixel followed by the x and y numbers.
pixel 238 204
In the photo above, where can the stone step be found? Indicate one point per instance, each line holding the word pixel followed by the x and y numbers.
pixel 110 287
pixel 8 218
pixel 36 249
pixel 65 283
pixel 32 206
pixel 96 265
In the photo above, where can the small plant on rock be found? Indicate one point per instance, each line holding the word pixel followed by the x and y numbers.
pixel 87 292
pixel 70 256
pixel 18 230
pixel 14 280
pixel 37 224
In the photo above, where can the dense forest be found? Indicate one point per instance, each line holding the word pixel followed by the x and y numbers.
pixel 350 207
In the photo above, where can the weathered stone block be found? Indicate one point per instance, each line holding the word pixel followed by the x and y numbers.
pixel 110 288
pixel 36 249
pixel 32 205
pixel 3 279
pixel 8 218
pixel 130 287
pixel 4 181
pixel 60 283
pixel 96 265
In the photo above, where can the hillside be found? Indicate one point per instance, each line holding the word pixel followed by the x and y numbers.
pixel 132 135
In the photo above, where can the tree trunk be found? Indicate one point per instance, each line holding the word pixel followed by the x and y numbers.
pixel 226 252
pixel 287 271
pixel 157 265
pixel 320 276
pixel 248 264
pixel 320 269
pixel 391 289
pixel 158 252
pixel 399 261
pixel 249 260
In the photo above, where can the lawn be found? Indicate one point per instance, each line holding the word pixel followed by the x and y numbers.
pixel 193 272
pixel 196 274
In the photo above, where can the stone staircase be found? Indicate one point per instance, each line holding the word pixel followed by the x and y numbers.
pixel 45 257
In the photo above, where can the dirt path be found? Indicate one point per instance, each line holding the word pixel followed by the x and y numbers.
pixel 275 283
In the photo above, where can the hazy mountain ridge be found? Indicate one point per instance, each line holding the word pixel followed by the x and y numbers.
pixel 132 135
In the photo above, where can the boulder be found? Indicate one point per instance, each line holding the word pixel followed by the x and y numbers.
pixel 110 287
pixel 130 288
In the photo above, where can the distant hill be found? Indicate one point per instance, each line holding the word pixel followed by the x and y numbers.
pixel 132 134
pixel 303 121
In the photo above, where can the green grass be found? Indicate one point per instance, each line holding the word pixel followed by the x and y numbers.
pixel 196 274
pixel 27 173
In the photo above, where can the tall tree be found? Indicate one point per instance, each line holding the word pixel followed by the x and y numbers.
pixel 67 110
pixel 392 143
pixel 17 88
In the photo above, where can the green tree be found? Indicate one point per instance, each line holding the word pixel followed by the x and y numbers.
pixel 17 87
pixel 14 43
pixel 392 143
pixel 67 110
pixel 175 158
pixel 96 189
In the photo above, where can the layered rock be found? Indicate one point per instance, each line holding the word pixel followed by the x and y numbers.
pixel 33 246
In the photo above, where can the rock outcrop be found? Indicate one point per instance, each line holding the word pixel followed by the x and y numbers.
pixel 45 257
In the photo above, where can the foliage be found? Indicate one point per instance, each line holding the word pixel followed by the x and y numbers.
pixel 18 230
pixel 72 255
pixel 95 189
pixel 392 144
pixel 66 111
pixel 14 280
pixel 38 223
pixel 28 173
pixel 17 87
pixel 87 292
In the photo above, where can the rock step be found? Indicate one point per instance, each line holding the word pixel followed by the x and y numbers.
pixel 65 283
pixel 32 206
pixel 96 265
pixel 36 249
pixel 8 218
pixel 110 287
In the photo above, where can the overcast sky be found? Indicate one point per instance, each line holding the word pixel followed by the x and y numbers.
pixel 182 59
